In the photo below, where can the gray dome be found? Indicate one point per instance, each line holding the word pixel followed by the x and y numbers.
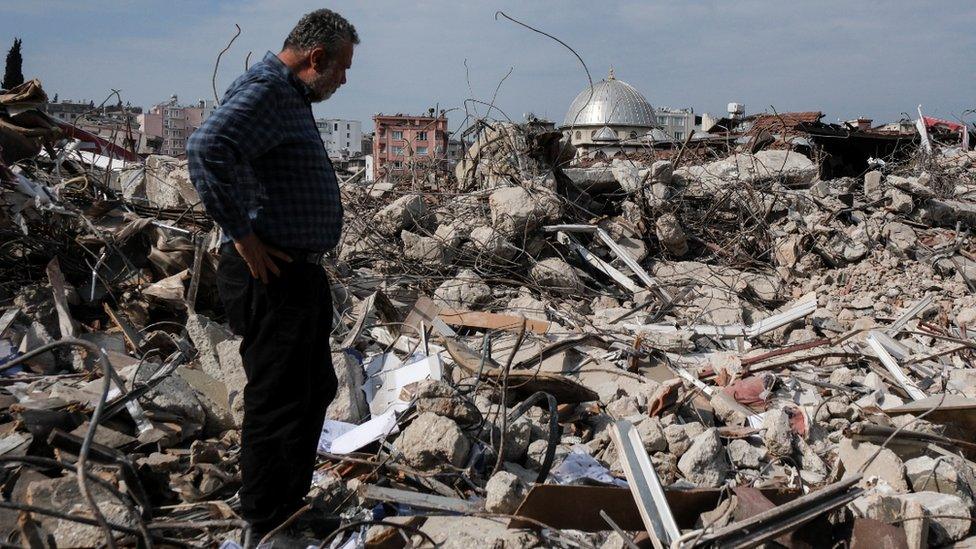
pixel 614 103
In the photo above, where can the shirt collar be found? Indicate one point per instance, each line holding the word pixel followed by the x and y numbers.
pixel 276 65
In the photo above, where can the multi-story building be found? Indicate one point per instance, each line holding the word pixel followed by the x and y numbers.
pixel 173 123
pixel 678 124
pixel 403 144
pixel 342 138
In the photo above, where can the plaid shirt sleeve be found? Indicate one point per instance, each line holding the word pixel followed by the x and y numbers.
pixel 221 150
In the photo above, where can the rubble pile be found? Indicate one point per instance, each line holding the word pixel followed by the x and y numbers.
pixel 532 354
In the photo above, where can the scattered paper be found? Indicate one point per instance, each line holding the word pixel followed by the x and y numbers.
pixel 579 465
pixel 339 437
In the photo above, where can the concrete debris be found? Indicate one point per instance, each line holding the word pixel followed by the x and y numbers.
pixel 765 309
pixel 705 463
pixel 433 441
pixel 504 492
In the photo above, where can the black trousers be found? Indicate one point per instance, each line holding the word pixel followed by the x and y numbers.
pixel 285 326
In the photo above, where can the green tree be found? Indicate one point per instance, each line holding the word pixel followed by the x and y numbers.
pixel 14 74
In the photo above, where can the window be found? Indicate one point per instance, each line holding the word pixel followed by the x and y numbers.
pixel 592 133
pixel 397 165
pixel 679 135
pixel 335 127
pixel 422 136
pixel 578 134
pixel 398 151
pixel 347 135
pixel 347 126
pixel 421 151
pixel 398 134
pixel 633 135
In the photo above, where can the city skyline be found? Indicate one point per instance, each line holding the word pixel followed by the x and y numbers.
pixel 872 59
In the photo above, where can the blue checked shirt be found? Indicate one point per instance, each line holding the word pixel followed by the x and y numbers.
pixel 259 164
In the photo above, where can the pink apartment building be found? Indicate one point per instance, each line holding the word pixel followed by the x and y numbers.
pixel 403 143
pixel 173 123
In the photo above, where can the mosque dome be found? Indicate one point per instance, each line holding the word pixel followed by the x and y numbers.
pixel 613 103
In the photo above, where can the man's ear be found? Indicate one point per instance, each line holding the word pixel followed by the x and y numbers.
pixel 318 58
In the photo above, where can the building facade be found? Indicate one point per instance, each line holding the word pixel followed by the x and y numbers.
pixel 173 123
pixel 678 124
pixel 342 138
pixel 404 144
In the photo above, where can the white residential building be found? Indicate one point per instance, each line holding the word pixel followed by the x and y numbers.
pixel 677 123
pixel 342 138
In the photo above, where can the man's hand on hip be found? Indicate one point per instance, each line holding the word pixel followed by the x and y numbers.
pixel 259 257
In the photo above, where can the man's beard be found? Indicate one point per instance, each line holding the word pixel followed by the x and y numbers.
pixel 321 88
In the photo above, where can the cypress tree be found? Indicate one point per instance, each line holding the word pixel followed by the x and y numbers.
pixel 14 74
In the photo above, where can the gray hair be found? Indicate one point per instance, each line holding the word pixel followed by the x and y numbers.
pixel 321 28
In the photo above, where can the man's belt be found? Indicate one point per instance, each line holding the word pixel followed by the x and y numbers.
pixel 303 256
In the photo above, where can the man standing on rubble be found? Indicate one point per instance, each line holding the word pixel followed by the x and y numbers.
pixel 264 176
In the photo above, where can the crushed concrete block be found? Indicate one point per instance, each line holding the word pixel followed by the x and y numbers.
pixel 671 235
pixel 529 307
pixel 900 202
pixel 679 436
pixel 349 404
pixel 651 433
pixel 944 474
pixel 886 466
pixel 428 250
pixel 964 381
pixel 623 407
pixel 884 506
pixel 661 171
pixel 459 532
pixel 465 291
pixel 62 494
pixel 432 440
pixel 515 211
pixel 627 174
pixel 174 395
pixel 901 238
pixel 491 244
pixel 205 335
pixel 777 433
pixel 941 508
pixel 230 371
pixel 440 398
pixel 212 395
pixel 404 213
pixel 842 376
pixel 555 274
pixel 503 493
pixel 746 455
pixel 872 186
pixel 704 463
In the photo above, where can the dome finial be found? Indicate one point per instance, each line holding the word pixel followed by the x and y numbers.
pixel 611 77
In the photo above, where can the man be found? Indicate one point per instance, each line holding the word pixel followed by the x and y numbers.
pixel 262 173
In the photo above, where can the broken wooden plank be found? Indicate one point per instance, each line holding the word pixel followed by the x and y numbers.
pixel 133 338
pixel 65 323
pixel 426 311
pixel 492 321
pixel 416 499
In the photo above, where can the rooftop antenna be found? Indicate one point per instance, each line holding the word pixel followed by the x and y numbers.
pixel 611 77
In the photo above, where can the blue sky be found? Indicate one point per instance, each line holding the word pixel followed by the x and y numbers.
pixel 844 57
